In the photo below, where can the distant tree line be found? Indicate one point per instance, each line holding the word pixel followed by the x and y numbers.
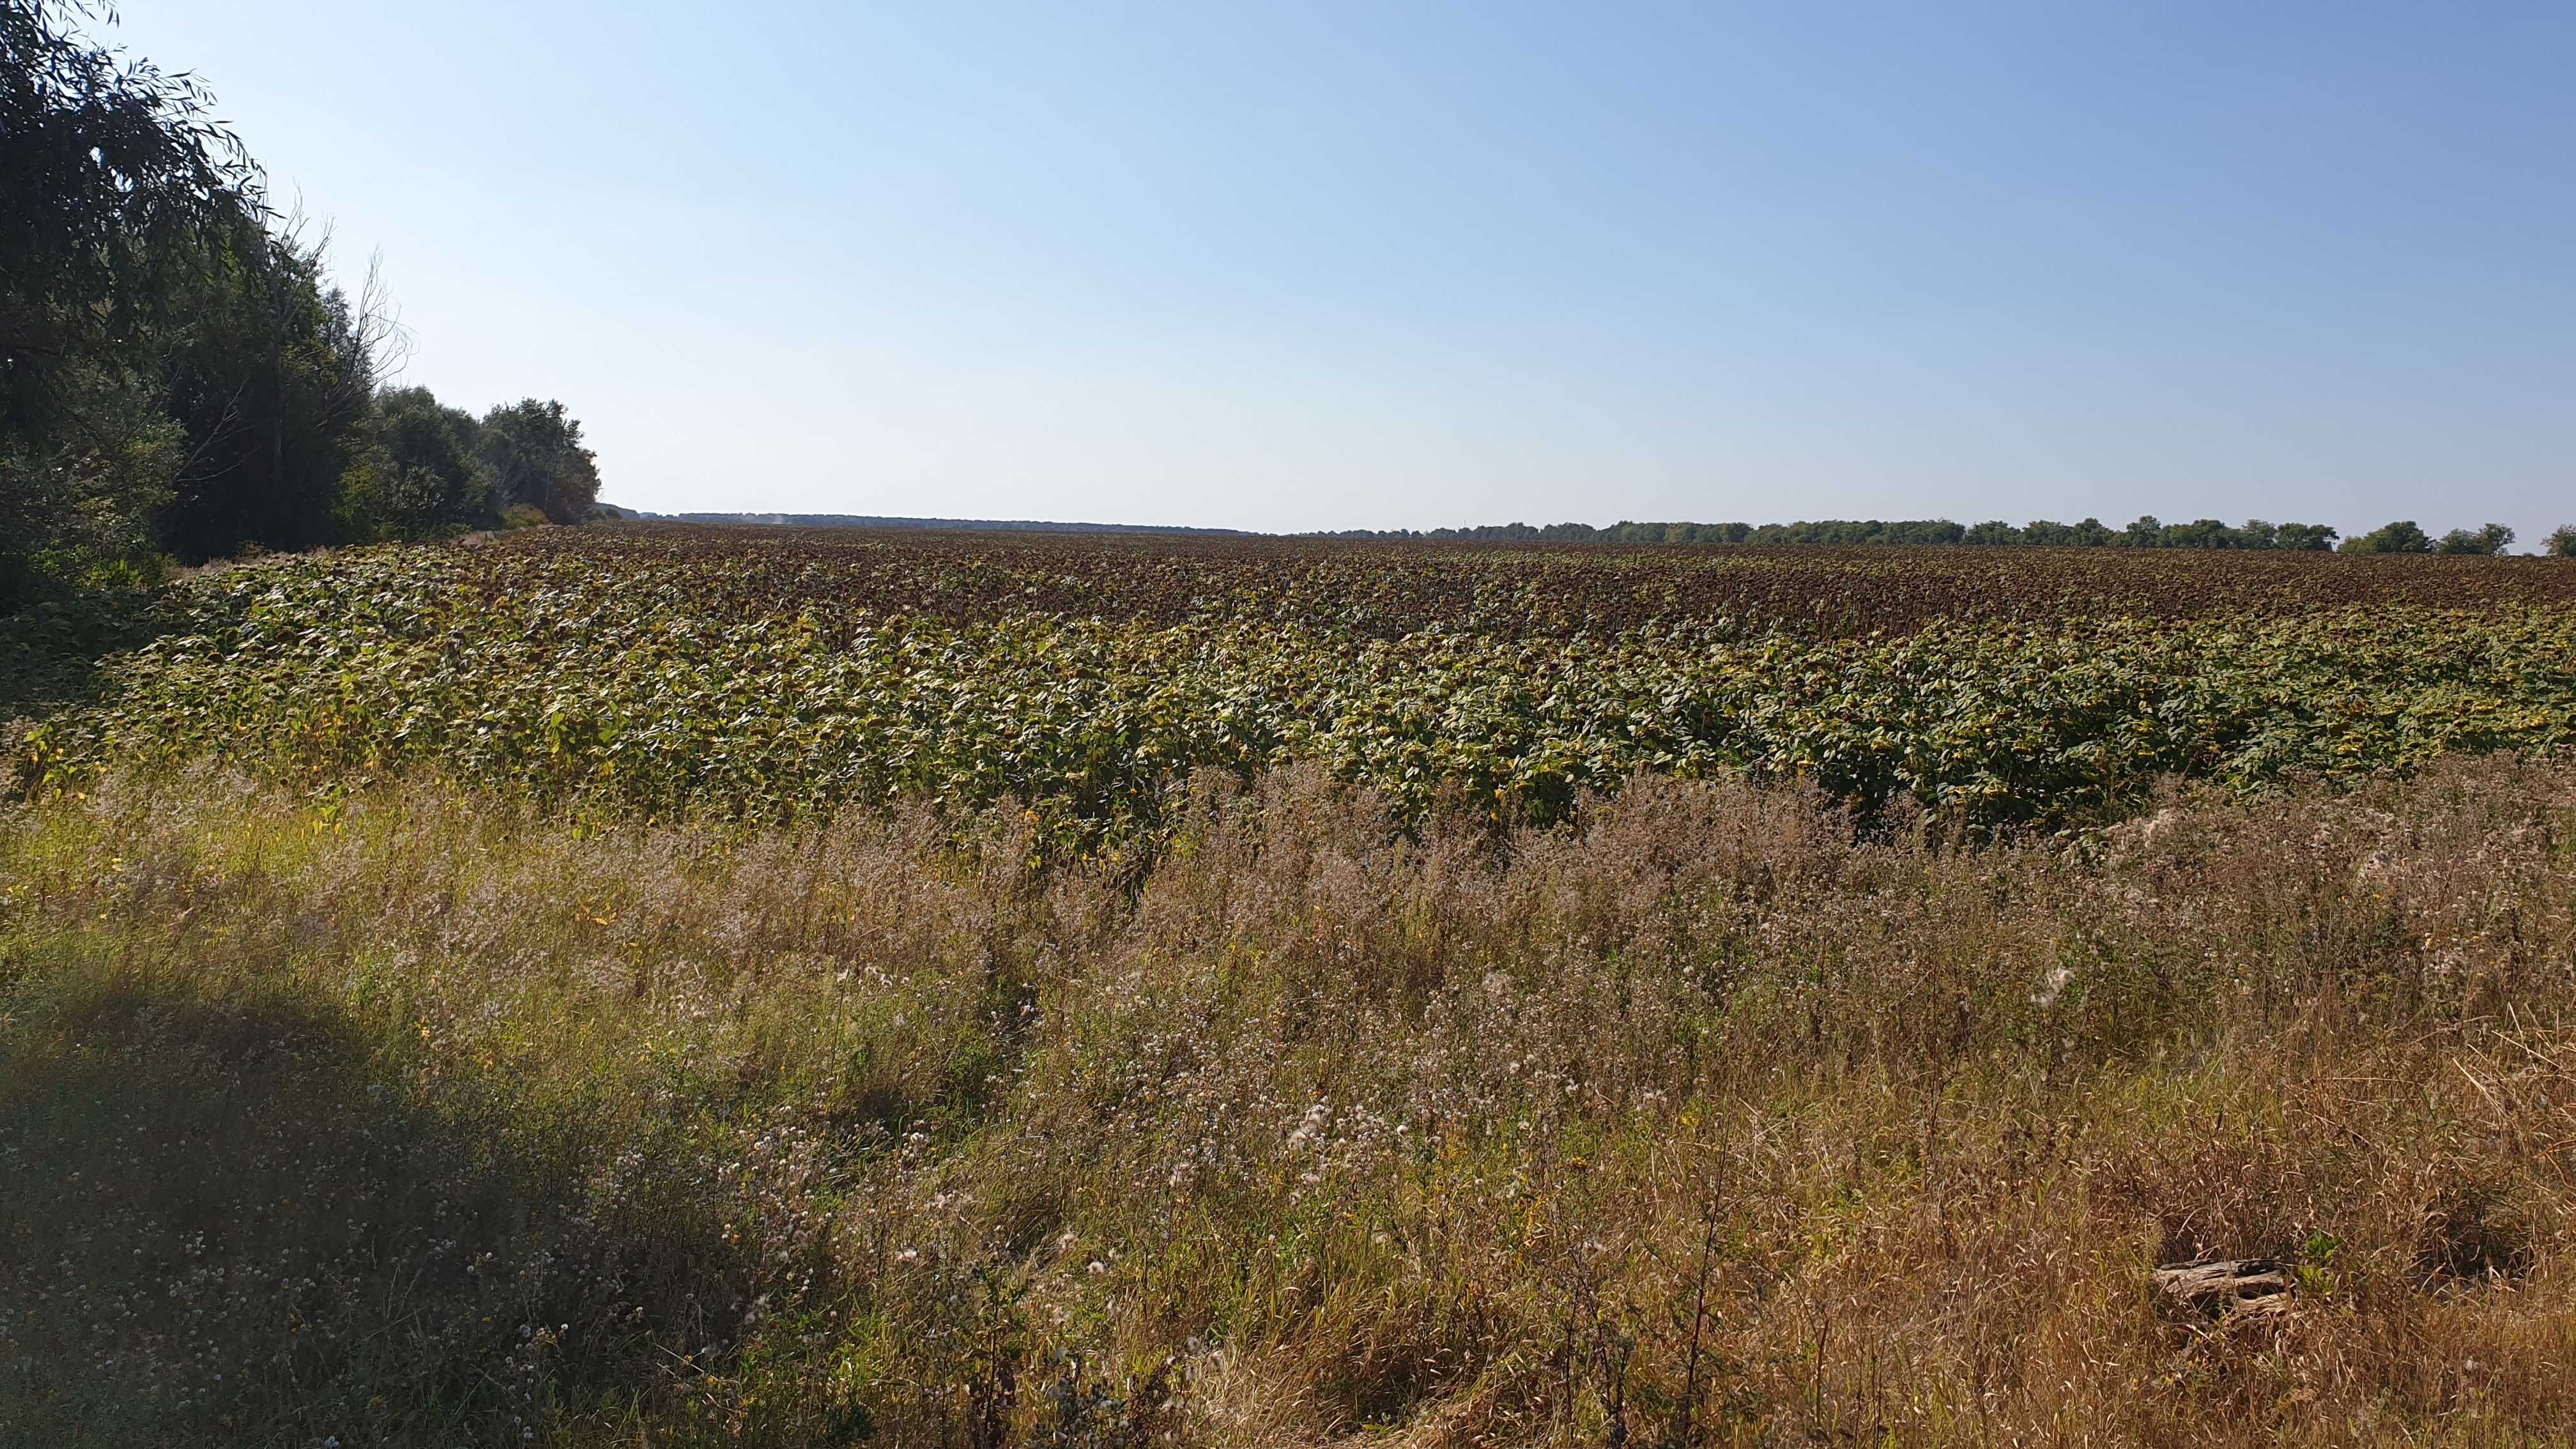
pixel 961 525
pixel 178 377
pixel 2146 532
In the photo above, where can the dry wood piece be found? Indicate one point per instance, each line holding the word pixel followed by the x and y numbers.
pixel 2229 1288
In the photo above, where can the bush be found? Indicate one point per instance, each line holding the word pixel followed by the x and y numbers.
pixel 524 515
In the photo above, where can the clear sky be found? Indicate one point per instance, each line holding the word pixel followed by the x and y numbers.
pixel 1322 264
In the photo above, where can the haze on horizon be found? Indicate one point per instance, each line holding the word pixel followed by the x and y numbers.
pixel 1339 265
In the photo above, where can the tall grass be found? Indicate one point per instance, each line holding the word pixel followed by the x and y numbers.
pixel 418 1118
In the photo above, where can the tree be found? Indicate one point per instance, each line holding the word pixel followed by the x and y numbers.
pixel 2403 536
pixel 177 374
pixel 272 378
pixel 2304 537
pixel 2561 542
pixel 115 186
pixel 77 498
pixel 115 177
pixel 2199 533
pixel 2490 538
pixel 418 472
pixel 535 452
pixel 2091 533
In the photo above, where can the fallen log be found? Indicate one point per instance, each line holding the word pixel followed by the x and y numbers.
pixel 2229 1289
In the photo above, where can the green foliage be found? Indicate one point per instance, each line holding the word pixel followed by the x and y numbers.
pixel 116 187
pixel 2404 536
pixel 76 499
pixel 177 375
pixel 674 688
pixel 418 473
pixel 272 379
pixel 2561 542
pixel 2490 539
pixel 535 452
pixel 2090 533
pixel 114 178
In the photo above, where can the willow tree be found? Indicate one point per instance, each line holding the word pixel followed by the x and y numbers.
pixel 117 187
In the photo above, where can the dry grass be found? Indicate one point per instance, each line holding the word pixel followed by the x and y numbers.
pixel 418 1119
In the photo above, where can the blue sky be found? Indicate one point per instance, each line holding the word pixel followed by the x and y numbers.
pixel 1368 265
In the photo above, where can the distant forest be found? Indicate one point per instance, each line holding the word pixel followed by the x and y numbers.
pixel 2146 532
pixel 863 520
pixel 2404 536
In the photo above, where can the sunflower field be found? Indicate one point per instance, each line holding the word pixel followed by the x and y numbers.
pixel 769 674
